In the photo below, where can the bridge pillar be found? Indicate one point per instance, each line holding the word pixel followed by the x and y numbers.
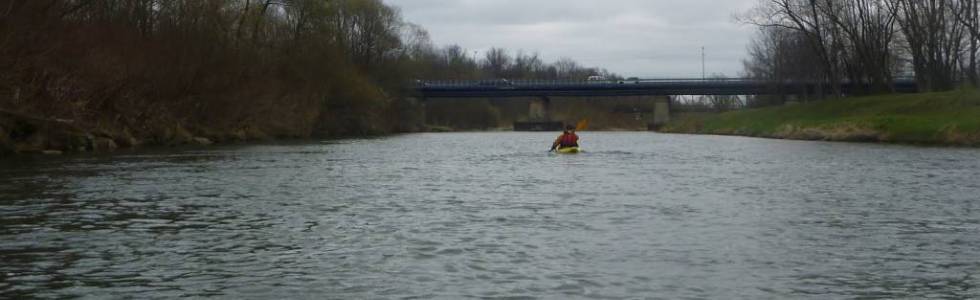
pixel 661 112
pixel 423 110
pixel 539 118
pixel 538 110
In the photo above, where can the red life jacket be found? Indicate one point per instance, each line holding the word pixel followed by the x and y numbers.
pixel 569 140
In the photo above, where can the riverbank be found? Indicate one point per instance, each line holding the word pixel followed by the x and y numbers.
pixel 29 134
pixel 949 118
pixel 35 134
pixel 97 78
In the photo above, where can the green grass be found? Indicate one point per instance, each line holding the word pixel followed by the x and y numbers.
pixel 931 118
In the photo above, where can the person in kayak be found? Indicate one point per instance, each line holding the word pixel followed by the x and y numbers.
pixel 567 139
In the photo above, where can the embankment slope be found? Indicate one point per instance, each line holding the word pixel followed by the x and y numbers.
pixel 948 118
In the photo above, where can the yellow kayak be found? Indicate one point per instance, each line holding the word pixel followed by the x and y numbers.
pixel 569 150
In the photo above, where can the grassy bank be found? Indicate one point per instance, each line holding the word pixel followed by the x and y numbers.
pixel 950 118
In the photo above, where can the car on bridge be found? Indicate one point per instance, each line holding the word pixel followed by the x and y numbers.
pixel 603 79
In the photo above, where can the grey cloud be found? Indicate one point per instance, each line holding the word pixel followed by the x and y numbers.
pixel 648 38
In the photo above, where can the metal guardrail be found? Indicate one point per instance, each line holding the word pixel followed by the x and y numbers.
pixel 559 83
pixel 501 83
pixel 664 86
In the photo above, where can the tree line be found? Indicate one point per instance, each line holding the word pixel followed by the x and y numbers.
pixel 867 41
pixel 155 68
pixel 454 62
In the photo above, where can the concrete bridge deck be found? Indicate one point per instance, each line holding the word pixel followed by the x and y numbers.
pixel 658 90
pixel 643 87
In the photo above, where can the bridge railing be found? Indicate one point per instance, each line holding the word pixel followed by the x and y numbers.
pixel 533 83
pixel 497 83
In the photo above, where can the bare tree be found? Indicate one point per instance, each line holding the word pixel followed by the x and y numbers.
pixel 968 14
pixel 527 66
pixel 780 56
pixel 870 30
pixel 496 62
pixel 806 17
pixel 934 40
pixel 863 41
pixel 566 68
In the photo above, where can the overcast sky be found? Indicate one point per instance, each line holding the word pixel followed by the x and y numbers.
pixel 645 38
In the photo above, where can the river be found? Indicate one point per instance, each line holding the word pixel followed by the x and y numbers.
pixel 494 216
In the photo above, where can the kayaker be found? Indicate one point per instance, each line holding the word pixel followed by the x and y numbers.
pixel 567 139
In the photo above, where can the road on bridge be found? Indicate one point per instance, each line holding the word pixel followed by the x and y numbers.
pixel 646 87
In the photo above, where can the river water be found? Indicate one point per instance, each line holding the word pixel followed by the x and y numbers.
pixel 494 216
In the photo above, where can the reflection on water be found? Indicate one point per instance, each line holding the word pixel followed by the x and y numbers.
pixel 493 215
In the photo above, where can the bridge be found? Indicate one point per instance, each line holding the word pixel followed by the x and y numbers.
pixel 641 87
pixel 660 91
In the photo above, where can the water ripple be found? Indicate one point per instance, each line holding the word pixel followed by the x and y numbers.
pixel 492 216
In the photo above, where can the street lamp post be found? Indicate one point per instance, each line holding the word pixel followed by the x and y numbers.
pixel 703 77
